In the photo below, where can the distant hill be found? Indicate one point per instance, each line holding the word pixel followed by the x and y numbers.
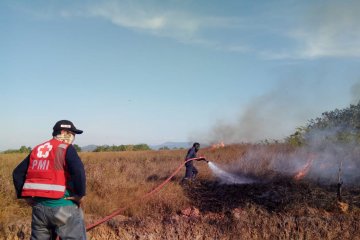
pixel 89 148
pixel 172 145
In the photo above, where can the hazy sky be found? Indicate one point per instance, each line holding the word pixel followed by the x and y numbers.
pixel 129 72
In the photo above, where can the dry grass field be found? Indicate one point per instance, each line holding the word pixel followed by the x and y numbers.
pixel 277 206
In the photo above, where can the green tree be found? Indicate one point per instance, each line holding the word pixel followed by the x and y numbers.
pixel 77 148
pixel 115 148
pixel 164 148
pixel 344 122
pixel 141 147
pixel 22 149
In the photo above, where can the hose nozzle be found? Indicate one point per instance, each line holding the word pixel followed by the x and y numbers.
pixel 202 159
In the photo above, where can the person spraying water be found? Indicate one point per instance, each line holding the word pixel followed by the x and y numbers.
pixel 191 171
pixel 225 177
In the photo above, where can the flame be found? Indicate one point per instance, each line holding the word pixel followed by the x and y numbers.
pixel 218 145
pixel 305 169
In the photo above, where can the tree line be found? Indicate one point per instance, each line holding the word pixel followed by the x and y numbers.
pixel 103 148
pixel 24 149
pixel 120 148
pixel 344 123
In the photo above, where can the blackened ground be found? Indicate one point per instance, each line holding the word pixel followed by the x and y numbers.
pixel 279 195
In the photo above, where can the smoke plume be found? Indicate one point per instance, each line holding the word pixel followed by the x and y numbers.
pixel 273 115
pixel 355 93
pixel 322 159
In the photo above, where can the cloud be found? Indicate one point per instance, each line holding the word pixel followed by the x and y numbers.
pixel 166 23
pixel 326 30
pixel 131 17
pixel 183 26
pixel 311 31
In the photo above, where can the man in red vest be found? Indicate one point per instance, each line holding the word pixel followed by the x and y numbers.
pixel 52 180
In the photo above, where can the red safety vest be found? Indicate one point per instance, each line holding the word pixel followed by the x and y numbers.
pixel 46 175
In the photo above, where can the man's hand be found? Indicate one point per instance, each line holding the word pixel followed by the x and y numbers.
pixel 76 199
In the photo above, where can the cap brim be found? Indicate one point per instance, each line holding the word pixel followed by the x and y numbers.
pixel 77 131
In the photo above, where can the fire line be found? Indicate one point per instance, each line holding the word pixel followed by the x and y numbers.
pixel 302 173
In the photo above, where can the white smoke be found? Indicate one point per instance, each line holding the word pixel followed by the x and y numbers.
pixel 332 156
pixel 276 113
pixel 322 159
pixel 355 93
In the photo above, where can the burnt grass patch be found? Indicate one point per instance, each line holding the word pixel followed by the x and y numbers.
pixel 280 195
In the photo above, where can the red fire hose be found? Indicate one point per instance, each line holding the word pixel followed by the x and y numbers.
pixel 118 211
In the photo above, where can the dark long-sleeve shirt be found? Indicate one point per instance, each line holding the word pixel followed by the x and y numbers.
pixel 75 168
pixel 191 153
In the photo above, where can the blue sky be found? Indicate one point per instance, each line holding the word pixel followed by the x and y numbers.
pixel 129 72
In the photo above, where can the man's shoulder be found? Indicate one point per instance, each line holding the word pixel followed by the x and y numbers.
pixel 71 152
pixel 71 147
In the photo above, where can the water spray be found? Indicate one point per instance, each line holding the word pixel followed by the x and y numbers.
pixel 226 177
pixel 229 178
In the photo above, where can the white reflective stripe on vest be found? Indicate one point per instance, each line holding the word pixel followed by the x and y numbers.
pixel 41 186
